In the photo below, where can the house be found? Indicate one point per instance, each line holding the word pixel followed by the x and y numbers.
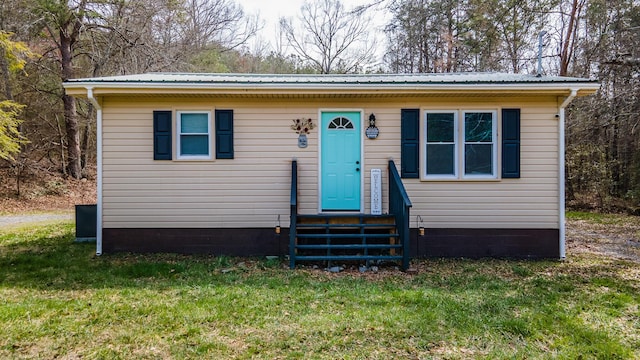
pixel 216 162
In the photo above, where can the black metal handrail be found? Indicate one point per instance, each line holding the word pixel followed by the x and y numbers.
pixel 293 219
pixel 399 205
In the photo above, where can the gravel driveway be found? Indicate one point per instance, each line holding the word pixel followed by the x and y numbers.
pixel 6 220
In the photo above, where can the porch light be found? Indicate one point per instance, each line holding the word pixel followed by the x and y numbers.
pixel 420 224
pixel 278 225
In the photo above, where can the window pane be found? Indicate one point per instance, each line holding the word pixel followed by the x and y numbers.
pixel 194 145
pixel 340 123
pixel 194 123
pixel 478 127
pixel 440 159
pixel 440 127
pixel 478 159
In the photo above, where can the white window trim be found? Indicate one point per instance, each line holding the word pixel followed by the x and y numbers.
pixel 459 154
pixel 423 146
pixel 494 145
pixel 210 134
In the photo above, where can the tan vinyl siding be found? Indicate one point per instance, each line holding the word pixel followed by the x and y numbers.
pixel 253 189
pixel 528 202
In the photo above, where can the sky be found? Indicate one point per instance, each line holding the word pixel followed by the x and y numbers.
pixel 270 12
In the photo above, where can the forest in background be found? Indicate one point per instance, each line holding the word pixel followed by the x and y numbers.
pixel 44 42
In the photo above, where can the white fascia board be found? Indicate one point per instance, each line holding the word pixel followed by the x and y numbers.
pixel 326 87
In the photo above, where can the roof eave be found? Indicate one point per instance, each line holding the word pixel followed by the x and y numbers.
pixel 79 88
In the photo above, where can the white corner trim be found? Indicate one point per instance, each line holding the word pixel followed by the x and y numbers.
pixel 95 103
pixel 561 172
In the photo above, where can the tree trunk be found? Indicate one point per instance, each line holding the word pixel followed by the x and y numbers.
pixel 85 141
pixel 73 137
pixel 70 118
pixel 63 161
pixel 615 159
pixel 569 39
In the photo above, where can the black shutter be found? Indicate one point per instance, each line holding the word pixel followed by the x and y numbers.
pixel 224 134
pixel 511 143
pixel 162 135
pixel 410 138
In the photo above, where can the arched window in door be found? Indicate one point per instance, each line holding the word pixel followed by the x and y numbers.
pixel 340 123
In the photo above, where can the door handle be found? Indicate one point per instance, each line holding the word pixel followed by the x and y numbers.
pixel 357 169
pixel 357 162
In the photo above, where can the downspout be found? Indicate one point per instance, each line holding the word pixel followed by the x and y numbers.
pixel 561 172
pixel 95 103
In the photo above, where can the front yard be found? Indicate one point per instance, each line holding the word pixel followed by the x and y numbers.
pixel 57 300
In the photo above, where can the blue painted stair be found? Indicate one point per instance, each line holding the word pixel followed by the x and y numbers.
pixel 351 237
pixel 346 237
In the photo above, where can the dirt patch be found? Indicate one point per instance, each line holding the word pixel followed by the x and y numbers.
pixel 619 239
pixel 44 193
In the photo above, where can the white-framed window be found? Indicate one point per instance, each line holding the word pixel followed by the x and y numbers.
pixel 459 144
pixel 441 147
pixel 194 135
pixel 480 144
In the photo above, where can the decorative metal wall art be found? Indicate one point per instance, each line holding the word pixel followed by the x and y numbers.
pixel 302 141
pixel 302 127
pixel 372 131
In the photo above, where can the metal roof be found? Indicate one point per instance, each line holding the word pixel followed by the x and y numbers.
pixel 350 79
pixel 322 86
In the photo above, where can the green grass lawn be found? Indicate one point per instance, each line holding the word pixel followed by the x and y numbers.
pixel 57 300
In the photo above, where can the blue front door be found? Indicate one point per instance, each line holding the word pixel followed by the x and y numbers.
pixel 340 164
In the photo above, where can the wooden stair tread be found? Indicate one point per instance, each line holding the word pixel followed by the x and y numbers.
pixel 348 257
pixel 306 226
pixel 345 236
pixel 345 219
pixel 349 246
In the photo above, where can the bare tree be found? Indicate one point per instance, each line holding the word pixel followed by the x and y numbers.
pixel 104 37
pixel 473 35
pixel 219 22
pixel 518 22
pixel 435 36
pixel 63 22
pixel 331 38
pixel 570 27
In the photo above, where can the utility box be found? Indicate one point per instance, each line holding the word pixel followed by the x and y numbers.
pixel 86 223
